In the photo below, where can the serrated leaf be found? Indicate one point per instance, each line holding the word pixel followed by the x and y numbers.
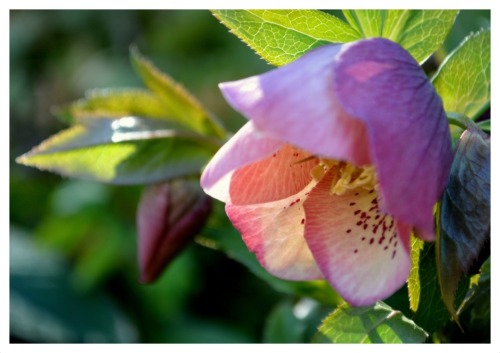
pixel 421 32
pixel 115 103
pixel 375 324
pixel 463 80
pixel 281 36
pixel 128 150
pixel 465 212
pixel 182 106
pixel 219 234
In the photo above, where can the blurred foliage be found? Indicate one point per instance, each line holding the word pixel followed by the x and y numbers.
pixel 73 268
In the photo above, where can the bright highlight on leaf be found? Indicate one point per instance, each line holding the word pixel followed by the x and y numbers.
pixel 128 150
pixel 182 106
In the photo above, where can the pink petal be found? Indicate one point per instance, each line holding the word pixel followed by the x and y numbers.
pixel 248 145
pixel 378 82
pixel 363 255
pixel 274 231
pixel 277 177
pixel 297 104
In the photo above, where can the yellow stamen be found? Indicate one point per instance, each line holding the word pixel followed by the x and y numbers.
pixel 346 176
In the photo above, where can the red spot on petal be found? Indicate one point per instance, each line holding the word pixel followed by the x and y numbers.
pixel 365 226
pixel 393 254
pixel 302 221
pixel 352 203
pixel 357 212
pixel 363 238
pixel 348 231
pixel 356 251
pixel 359 223
pixel 371 241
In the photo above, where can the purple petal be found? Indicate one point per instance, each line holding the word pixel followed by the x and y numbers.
pixel 297 104
pixel 378 82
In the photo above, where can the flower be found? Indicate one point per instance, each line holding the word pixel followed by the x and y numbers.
pixel 347 149
pixel 168 216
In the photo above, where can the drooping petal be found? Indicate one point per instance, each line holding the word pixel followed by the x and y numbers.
pixel 297 104
pixel 360 251
pixel 378 82
pixel 274 231
pixel 248 145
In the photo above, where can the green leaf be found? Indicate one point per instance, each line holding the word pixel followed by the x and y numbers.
pixel 375 324
pixel 128 150
pixel 182 106
pixel 115 103
pixel 423 288
pixel 219 234
pixel 463 80
pixel 475 311
pixel 485 125
pixel 281 36
pixel 464 213
pixel 421 32
pixel 414 279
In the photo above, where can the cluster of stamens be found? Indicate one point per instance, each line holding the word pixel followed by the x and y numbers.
pixel 346 176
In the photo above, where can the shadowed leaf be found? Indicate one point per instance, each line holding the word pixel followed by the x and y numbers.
pixel 465 212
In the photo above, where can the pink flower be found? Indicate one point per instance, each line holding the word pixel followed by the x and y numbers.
pixel 346 150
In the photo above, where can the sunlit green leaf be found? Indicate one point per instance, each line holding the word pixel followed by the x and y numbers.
pixel 465 212
pixel 375 324
pixel 425 297
pixel 421 32
pixel 128 150
pixel 414 279
pixel 219 234
pixel 115 103
pixel 281 36
pixel 180 103
pixel 463 80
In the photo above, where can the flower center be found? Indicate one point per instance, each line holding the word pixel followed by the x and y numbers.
pixel 345 176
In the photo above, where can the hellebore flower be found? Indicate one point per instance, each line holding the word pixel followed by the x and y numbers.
pixel 347 149
pixel 168 217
